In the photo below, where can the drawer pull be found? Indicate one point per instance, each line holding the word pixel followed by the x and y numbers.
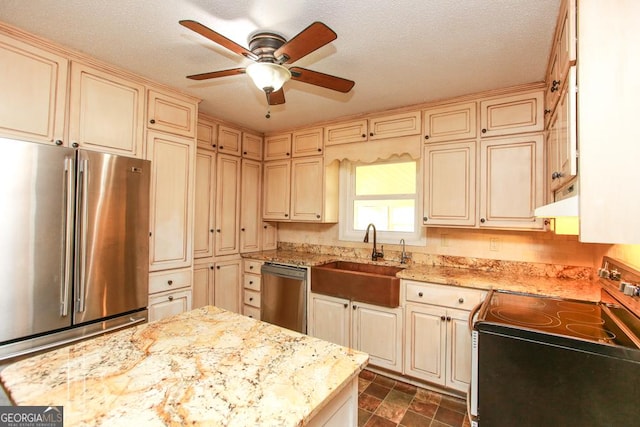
pixel 420 294
pixel 448 319
pixel 170 282
pixel 251 267
pixel 461 300
pixel 251 282
pixel 170 298
pixel 250 298
pixel 443 318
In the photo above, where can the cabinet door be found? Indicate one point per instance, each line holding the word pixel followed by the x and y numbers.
pixel 250 218
pixel 553 155
pixel 205 190
pixel 378 331
pixel 277 147
pixel 344 133
pixel 227 204
pixel 276 189
pixel 330 319
pixel 227 284
pixel 171 205
pixel 168 113
pixel 33 84
pixel 512 114
pixel 394 126
pixel 202 285
pixel 511 179
pixel 269 236
pixel 567 132
pixel 169 304
pixel 106 112
pixel 425 342
pixel 251 146
pixel 458 364
pixel 229 140
pixel 306 197
pixel 450 123
pixel 450 184
pixel 308 142
pixel 207 134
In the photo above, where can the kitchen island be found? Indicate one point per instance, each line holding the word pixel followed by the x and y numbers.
pixel 203 367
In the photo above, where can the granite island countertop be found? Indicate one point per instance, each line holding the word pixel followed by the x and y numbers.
pixel 511 280
pixel 204 367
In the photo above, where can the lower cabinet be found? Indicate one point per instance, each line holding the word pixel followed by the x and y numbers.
pixel 251 284
pixel 218 283
pixel 370 328
pixel 170 293
pixel 437 337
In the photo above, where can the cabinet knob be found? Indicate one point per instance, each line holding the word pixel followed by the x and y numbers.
pixel 354 306
pixel 264 226
pixel 75 145
pixel 221 147
pixel 460 300
pixel 170 297
pixel 251 282
pixel 443 318
pixel 242 229
pixel 484 131
pixel 250 298
pixel 244 152
pixel 286 215
pixel 169 282
pixel 251 267
pixel 317 216
pixel 218 267
pixel 211 230
pixel 346 305
pixel 152 121
pixel 547 111
pixel 425 219
pixel 448 318
pixel 288 154
pixel 211 267
pixel 420 294
pixel 426 137
pixel 370 133
pixel 482 220
pixel 213 145
pixel 218 230
pixel 58 142
pixel 319 150
pixel 364 135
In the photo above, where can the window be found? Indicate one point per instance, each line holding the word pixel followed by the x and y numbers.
pixel 384 194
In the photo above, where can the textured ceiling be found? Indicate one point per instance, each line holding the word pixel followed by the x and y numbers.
pixel 399 53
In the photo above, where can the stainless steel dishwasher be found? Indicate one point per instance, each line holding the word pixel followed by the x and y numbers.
pixel 283 297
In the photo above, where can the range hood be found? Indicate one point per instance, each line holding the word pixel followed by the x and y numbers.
pixel 563 208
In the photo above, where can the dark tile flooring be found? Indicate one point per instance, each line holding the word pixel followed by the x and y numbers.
pixel 384 402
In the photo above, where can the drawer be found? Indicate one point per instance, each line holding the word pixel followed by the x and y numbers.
pixel 252 281
pixel 169 280
pixel 251 266
pixel 252 312
pixel 446 296
pixel 252 298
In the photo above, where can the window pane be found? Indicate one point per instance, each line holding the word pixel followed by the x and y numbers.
pixel 389 178
pixel 386 215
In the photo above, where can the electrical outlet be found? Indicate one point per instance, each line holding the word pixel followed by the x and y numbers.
pixel 494 244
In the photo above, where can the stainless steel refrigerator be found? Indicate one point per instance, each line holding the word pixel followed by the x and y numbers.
pixel 74 244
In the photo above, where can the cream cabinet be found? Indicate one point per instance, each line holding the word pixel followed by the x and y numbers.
pixel 229 140
pixel 106 112
pixel 202 284
pixel 437 338
pixel 307 142
pixel 227 284
pixel 276 189
pixel 33 84
pixel 450 184
pixel 277 147
pixel 450 122
pixel 204 213
pixel 269 236
pixel 306 198
pixel 563 54
pixel 374 128
pixel 373 329
pixel 251 146
pixel 562 137
pixel 207 133
pixel 171 201
pixel 170 293
pixel 519 113
pixel 227 207
pixel 168 113
pixel 250 214
pixel 252 280
pixel 511 181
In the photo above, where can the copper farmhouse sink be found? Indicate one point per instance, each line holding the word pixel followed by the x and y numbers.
pixel 370 283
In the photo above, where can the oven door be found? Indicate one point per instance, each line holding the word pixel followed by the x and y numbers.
pixel 472 396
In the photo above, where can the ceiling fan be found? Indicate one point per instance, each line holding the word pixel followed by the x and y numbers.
pixel 270 52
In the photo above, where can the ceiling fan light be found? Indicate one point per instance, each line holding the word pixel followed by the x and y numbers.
pixel 266 75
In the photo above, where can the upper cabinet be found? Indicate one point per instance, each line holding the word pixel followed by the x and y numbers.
pixel 106 112
pixel 251 146
pixel 207 134
pixel 308 142
pixel 375 128
pixel 277 147
pixel 450 123
pixel 167 113
pixel 229 140
pixel 33 84
pixel 512 114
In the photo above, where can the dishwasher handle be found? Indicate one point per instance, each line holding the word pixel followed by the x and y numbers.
pixel 284 270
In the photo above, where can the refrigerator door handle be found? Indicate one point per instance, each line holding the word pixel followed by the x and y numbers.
pixel 81 236
pixel 69 172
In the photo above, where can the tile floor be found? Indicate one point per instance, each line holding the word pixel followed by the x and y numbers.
pixel 384 402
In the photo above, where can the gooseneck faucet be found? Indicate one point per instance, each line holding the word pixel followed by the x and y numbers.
pixel 403 256
pixel 375 254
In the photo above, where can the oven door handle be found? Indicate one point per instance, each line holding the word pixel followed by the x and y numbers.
pixel 473 314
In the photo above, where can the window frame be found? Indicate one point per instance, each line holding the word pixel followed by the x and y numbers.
pixel 347 196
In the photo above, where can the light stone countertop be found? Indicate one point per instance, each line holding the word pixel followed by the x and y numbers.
pixel 512 277
pixel 203 367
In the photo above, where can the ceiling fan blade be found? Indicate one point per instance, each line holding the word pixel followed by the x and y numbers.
pixel 311 38
pixel 320 79
pixel 276 98
pixel 215 74
pixel 217 38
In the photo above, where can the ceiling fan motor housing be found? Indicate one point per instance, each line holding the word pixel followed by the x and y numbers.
pixel 264 44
